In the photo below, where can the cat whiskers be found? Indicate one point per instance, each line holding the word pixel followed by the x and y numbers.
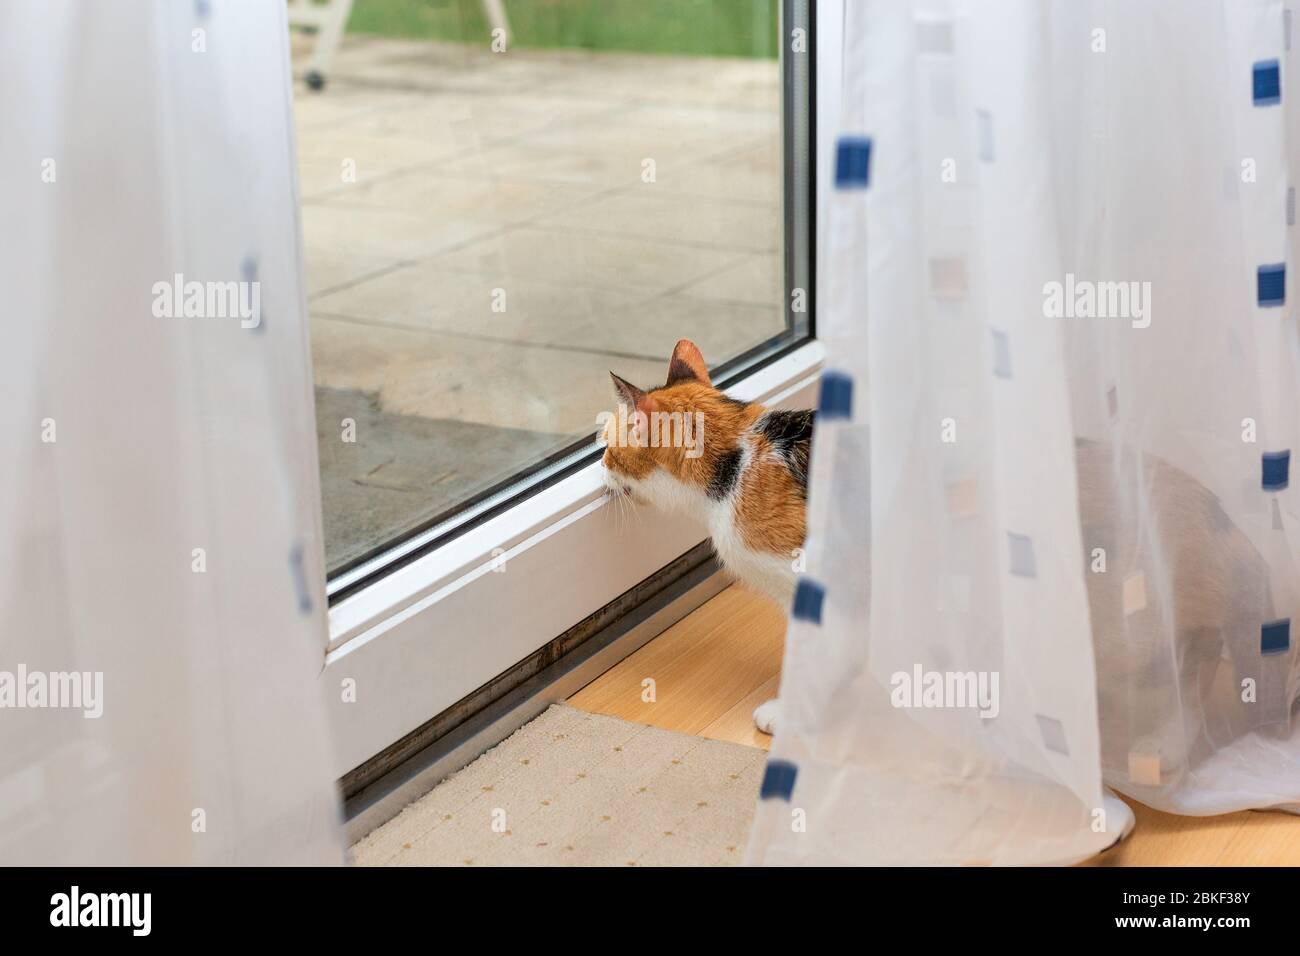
pixel 623 506
pixel 621 521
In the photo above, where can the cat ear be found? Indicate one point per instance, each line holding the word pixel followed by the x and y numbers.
pixel 687 364
pixel 629 394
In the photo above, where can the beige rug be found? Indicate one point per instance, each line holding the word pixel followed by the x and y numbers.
pixel 579 789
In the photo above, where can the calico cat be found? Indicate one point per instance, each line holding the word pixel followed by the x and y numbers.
pixel 743 472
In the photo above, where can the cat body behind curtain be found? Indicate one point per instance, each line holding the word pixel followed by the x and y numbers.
pixel 1168 673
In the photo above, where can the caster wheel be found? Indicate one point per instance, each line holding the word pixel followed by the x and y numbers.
pixel 316 80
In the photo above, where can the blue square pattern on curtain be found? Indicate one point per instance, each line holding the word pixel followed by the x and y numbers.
pixel 1266 83
pixel 1275 637
pixel 778 780
pixel 1276 467
pixel 836 398
pixel 853 162
pixel 808 599
pixel 1270 285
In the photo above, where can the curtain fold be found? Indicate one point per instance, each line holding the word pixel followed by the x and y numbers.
pixel 160 547
pixel 1053 540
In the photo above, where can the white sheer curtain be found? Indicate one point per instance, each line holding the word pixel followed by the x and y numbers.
pixel 159 531
pixel 1055 437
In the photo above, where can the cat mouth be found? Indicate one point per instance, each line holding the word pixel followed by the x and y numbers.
pixel 615 490
pixel 614 487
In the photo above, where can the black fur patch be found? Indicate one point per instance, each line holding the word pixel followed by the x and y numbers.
pixel 725 474
pixel 679 371
pixel 791 436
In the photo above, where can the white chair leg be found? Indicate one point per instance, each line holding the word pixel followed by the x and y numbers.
pixel 494 11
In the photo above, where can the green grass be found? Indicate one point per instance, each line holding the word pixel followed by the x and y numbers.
pixel 742 28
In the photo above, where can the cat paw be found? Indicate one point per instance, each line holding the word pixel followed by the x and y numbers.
pixel 766 716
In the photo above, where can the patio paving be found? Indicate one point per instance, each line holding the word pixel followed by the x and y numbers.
pixel 522 172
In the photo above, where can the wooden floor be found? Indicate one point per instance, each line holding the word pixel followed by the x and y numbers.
pixel 711 669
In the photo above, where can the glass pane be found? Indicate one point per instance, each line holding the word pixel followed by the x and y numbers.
pixel 491 227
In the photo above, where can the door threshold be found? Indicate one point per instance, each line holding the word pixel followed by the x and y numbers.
pixel 388 792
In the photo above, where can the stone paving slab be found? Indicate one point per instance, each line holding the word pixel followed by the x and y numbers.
pixel 646 213
pixel 606 321
pixel 485 381
pixel 577 259
pixel 405 469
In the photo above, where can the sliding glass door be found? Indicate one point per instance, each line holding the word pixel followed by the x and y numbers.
pixel 498 211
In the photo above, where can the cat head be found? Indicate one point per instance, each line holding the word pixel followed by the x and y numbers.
pixel 664 443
